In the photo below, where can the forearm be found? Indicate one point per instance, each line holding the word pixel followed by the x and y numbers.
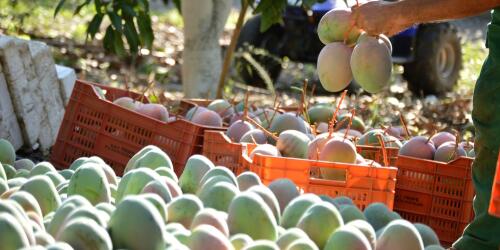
pixel 422 11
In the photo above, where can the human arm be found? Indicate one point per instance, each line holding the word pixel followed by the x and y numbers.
pixel 381 17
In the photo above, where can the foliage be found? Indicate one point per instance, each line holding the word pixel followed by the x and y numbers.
pixel 131 19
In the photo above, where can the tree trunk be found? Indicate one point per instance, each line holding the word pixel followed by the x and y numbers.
pixel 204 22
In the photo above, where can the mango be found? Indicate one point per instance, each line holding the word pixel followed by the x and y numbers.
pixel 44 239
pixel 290 235
pixel 248 214
pixel 158 203
pixel 67 173
pixel 367 230
pixel 247 179
pixel 123 228
pixel 212 217
pixel 126 102
pixel 429 237
pixel 334 26
pixel 12 236
pixel 371 64
pixel 350 213
pixel 268 196
pixel 240 241
pixel 207 118
pixel 287 121
pixel 418 147
pixel 265 149
pixel 153 110
pixel 27 201
pixel 261 245
pixel 26 164
pixel 303 244
pixel 218 196
pixel 285 191
pixel 319 221
pixel 208 237
pixel 400 233
pixel 296 208
pixel 195 169
pixel 44 191
pixel 167 172
pixel 83 233
pixel 449 151
pixel 134 181
pixel 347 237
pixel 238 129
pixel 182 209
pixel 334 66
pixel 254 136
pixel 90 181
pixel 292 143
pixel 42 168
pixel 442 137
pixel 7 152
pixel 221 107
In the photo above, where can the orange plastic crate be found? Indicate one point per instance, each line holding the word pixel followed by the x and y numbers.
pixel 376 153
pixel 435 193
pixel 494 208
pixel 92 126
pixel 221 151
pixel 363 184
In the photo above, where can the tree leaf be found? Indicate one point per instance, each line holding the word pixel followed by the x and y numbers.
pixel 79 7
pixel 130 33
pixel 272 12
pixel 177 4
pixel 116 20
pixel 94 25
pixel 108 40
pixel 118 47
pixel 127 10
pixel 145 30
pixel 58 7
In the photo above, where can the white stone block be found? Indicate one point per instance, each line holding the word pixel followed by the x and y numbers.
pixel 49 85
pixel 67 79
pixel 45 137
pixel 26 106
pixel 9 128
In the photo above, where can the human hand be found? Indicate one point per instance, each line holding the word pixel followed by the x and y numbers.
pixel 380 17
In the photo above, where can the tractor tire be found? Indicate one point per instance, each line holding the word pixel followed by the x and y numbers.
pixel 262 48
pixel 438 60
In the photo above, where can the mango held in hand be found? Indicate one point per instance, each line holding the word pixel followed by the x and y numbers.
pixel 334 66
pixel 371 64
pixel 335 25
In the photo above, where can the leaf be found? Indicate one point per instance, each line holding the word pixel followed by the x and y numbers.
pixel 98 5
pixel 272 12
pixel 108 40
pixel 79 7
pixel 144 4
pixel 94 25
pixel 127 11
pixel 130 33
pixel 260 70
pixel 58 7
pixel 118 46
pixel 116 20
pixel 145 29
